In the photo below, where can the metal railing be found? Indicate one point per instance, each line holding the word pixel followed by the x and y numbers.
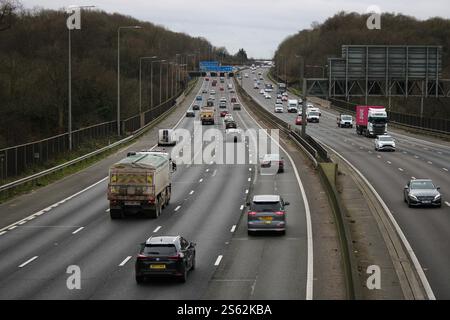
pixel 17 159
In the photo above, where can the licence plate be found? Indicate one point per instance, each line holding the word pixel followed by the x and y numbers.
pixel 426 202
pixel 267 219
pixel 132 203
pixel 157 266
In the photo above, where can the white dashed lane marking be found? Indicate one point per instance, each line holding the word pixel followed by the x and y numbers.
pixel 125 261
pixel 28 261
pixel 219 258
pixel 233 228
pixel 157 229
pixel 177 208
pixel 78 230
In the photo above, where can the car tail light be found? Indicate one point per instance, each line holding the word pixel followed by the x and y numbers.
pixel 279 213
pixel 175 257
pixel 151 199
pixel 252 213
pixel 141 257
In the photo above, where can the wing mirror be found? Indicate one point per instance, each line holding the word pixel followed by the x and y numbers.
pixel 438 188
pixel 406 187
pixel 286 203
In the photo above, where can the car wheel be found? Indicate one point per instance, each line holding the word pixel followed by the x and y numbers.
pixel 193 263
pixel 139 279
pixel 115 214
pixel 183 278
pixel 283 232
pixel 409 204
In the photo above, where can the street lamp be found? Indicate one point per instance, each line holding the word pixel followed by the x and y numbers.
pixel 151 81
pixel 160 80
pixel 303 86
pixel 140 80
pixel 70 75
pixel 118 73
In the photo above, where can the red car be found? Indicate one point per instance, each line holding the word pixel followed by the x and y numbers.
pixel 233 100
pixel 221 88
pixel 206 79
pixel 298 120
pixel 223 113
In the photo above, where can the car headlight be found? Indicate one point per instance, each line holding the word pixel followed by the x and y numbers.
pixel 437 197
pixel 411 196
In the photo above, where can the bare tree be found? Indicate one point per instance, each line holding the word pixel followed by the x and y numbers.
pixel 7 10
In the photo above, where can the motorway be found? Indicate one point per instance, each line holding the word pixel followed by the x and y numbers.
pixel 206 207
pixel 426 229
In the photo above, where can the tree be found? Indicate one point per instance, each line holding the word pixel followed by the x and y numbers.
pixel 8 9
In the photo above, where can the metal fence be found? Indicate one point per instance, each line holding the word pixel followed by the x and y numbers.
pixel 18 159
pixel 431 124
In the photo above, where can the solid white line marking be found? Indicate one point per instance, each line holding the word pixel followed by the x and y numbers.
pixel 40 212
pixel 309 234
pixel 125 261
pixel 157 229
pixel 177 208
pixel 78 230
pixel 28 261
pixel 242 207
pixel 192 192
pixel 233 228
pixel 219 258
pixel 12 228
pixel 23 222
pixel 2 233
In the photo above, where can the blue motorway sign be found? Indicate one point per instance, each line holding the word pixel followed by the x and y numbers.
pixel 214 66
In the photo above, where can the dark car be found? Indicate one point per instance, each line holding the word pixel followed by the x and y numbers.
pixel 196 107
pixel 165 256
pixel 230 124
pixel 236 106
pixel 223 113
pixel 422 192
pixel 190 113
pixel 266 213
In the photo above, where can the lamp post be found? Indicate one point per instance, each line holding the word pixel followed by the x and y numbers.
pixel 70 27
pixel 303 86
pixel 140 80
pixel 151 84
pixel 118 73
pixel 160 81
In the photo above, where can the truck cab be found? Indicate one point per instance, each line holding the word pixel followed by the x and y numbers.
pixel 371 120
pixel 292 105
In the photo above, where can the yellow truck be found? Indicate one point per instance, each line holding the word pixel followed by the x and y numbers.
pixel 140 183
pixel 207 115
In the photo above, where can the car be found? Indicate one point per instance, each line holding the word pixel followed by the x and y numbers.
pixel 165 256
pixel 262 91
pixel 233 100
pixel 255 86
pixel 344 121
pixel 232 90
pixel 222 104
pixel 233 134
pixel 255 79
pixel 205 91
pixel 384 142
pixel 230 124
pixel 284 94
pixel 312 116
pixel 228 117
pixel 223 113
pixel 266 213
pixel 206 79
pixel 221 89
pixel 272 159
pixel 298 120
pixel 212 92
pixel 199 98
pixel 236 106
pixel 267 96
pixel 279 101
pixel 245 75
pixel 279 108
pixel 212 98
pixel 223 99
pixel 279 96
pixel 422 192
pixel 195 107
pixel 190 113
pixel 284 98
pixel 167 137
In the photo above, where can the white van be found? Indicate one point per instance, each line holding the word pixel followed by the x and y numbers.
pixel 167 137
pixel 292 105
pixel 312 109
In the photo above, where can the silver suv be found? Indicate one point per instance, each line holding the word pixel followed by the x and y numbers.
pixel 266 213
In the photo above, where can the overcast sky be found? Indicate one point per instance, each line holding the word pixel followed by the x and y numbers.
pixel 258 26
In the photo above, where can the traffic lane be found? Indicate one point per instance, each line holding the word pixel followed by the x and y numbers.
pixel 25 205
pixel 206 220
pixel 37 235
pixel 425 228
pixel 247 270
pixel 91 238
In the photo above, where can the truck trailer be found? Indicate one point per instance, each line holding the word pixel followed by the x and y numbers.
pixel 140 183
pixel 371 120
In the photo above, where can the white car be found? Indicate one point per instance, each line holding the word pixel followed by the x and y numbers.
pixel 279 108
pixel 167 137
pixel 267 96
pixel 212 92
pixel 384 142
pixel 255 86
pixel 228 117
pixel 262 91
pixel 246 75
pixel 279 101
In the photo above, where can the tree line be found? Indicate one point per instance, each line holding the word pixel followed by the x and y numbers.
pixel 34 68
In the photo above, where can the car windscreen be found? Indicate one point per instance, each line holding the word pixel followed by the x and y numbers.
pixel 422 185
pixel 265 206
pixel 160 249
pixel 346 118
pixel 314 114
pixel 385 139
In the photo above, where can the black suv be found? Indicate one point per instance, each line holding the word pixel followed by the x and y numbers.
pixel 165 256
